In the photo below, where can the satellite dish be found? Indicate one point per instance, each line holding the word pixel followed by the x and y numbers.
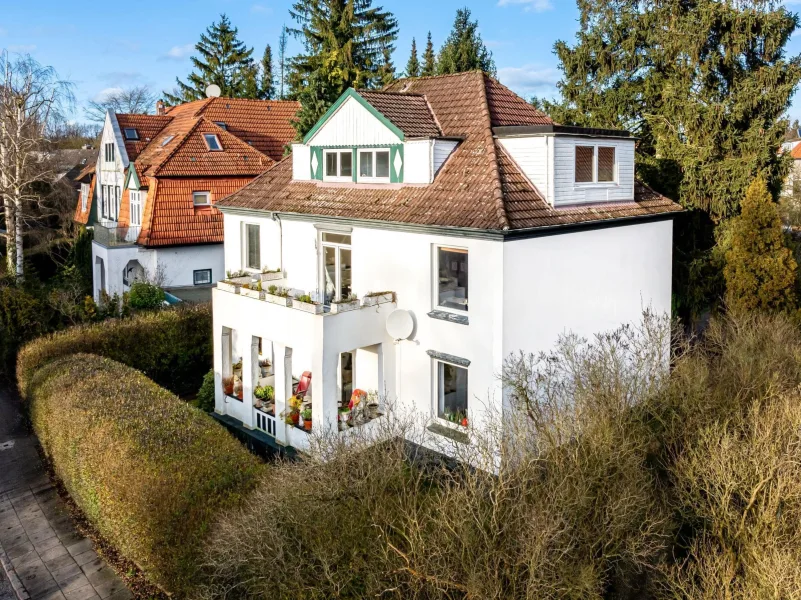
pixel 400 324
pixel 213 91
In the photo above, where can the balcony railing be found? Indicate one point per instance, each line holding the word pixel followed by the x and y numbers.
pixel 111 236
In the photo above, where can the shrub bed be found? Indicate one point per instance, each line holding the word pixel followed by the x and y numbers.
pixel 172 347
pixel 148 470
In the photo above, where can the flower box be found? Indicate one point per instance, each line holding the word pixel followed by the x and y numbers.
pixel 278 275
pixel 229 286
pixel 309 307
pixel 280 300
pixel 340 307
pixel 252 293
pixel 379 298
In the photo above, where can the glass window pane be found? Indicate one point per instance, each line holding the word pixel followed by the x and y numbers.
pixel 346 366
pixel 382 164
pixel 585 155
pixel 365 164
pixel 253 248
pixel 330 272
pixel 452 388
pixel 330 164
pixel 452 276
pixel 346 164
pixel 336 238
pixel 344 272
pixel 606 163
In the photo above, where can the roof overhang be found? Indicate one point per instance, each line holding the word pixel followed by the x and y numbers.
pixel 567 130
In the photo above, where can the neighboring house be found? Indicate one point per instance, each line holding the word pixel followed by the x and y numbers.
pixel 794 176
pixel 151 197
pixel 490 229
pixel 69 164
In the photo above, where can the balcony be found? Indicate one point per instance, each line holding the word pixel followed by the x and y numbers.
pixel 115 236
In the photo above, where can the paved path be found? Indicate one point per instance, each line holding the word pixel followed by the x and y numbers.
pixel 41 552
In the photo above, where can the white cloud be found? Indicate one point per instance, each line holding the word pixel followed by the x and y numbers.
pixel 530 79
pixel 180 52
pixel 529 5
pixel 103 95
pixel 22 48
pixel 260 8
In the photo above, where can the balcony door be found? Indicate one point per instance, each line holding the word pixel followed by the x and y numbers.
pixel 336 266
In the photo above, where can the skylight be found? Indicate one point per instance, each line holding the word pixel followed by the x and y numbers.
pixel 131 134
pixel 212 142
pixel 167 140
pixel 221 124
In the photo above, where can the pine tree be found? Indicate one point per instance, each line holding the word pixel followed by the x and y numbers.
pixel 429 59
pixel 250 81
pixel 386 72
pixel 345 41
pixel 283 39
pixel 760 269
pixel 267 91
pixel 413 66
pixel 464 50
pixel 703 84
pixel 223 60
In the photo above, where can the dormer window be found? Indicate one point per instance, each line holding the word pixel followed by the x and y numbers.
pixel 212 142
pixel 131 134
pixel 338 165
pixel 221 125
pixel 201 198
pixel 374 165
pixel 595 164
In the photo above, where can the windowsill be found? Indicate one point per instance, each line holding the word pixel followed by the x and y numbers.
pixel 443 314
pixel 447 431
pixel 596 184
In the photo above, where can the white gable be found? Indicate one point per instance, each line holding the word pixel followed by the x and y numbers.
pixel 353 125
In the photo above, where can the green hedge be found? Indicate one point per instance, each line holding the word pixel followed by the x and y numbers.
pixel 149 471
pixel 173 347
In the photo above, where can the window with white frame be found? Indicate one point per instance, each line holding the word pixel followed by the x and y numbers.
pixel 135 198
pixel 202 276
pixel 452 278
pixel 595 164
pixel 201 198
pixel 451 392
pixel 252 249
pixel 115 203
pixel 84 196
pixel 109 152
pixel 103 200
pixel 212 142
pixel 335 257
pixel 374 165
pixel 338 165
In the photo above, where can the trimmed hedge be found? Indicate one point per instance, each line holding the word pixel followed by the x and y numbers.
pixel 173 347
pixel 150 471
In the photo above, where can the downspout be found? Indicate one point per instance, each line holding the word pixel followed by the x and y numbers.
pixel 280 241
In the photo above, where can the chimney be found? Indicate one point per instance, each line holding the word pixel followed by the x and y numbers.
pixel 160 107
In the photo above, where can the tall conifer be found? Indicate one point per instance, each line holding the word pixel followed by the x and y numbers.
pixel 413 66
pixel 429 59
pixel 464 50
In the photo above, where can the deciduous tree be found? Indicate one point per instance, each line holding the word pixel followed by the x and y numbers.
pixel 138 100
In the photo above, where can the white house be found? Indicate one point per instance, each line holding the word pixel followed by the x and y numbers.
pixel 157 178
pixel 457 212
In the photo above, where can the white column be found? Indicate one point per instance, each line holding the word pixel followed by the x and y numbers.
pixel 283 388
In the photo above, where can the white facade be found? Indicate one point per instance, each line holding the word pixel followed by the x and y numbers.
pixel 110 174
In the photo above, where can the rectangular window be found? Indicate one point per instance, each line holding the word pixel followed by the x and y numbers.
pixel 606 163
pixel 109 152
pixel 451 392
pixel 452 278
pixel 136 207
pixel 373 165
pixel 130 134
pixel 201 198
pixel 252 247
pixel 103 199
pixel 339 165
pixel 202 276
pixel 116 202
pixel 365 164
pixel 221 124
pixel 84 196
pixel 585 164
pixel 336 267
pixel 212 142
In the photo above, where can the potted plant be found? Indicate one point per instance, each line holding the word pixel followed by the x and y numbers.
pixel 293 417
pixel 307 419
pixel 376 298
pixel 271 275
pixel 278 295
pixel 229 286
pixel 305 303
pixel 343 417
pixel 264 366
pixel 351 302
pixel 238 388
pixel 239 277
pixel 228 385
pixel 372 404
pixel 252 290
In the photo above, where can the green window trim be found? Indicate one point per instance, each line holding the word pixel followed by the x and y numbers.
pixel 394 150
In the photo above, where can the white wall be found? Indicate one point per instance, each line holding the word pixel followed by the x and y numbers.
pixel 531 155
pixel 417 159
pixel 301 162
pixel 442 150
pixel 585 282
pixel 114 261
pixel 353 125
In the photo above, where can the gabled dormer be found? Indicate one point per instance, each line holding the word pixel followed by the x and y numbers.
pixel 374 138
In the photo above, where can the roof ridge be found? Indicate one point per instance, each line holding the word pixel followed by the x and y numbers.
pixel 442 76
pixel 497 186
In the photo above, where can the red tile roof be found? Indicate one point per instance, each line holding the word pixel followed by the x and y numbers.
pixel 82 216
pixel 796 151
pixel 147 126
pixel 408 112
pixel 479 187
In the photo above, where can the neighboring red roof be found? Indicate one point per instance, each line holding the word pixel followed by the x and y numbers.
pixel 82 216
pixel 147 126
pixel 478 187
pixel 408 112
pixel 171 218
pixel 796 152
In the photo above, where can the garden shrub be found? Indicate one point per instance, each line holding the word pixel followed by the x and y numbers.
pixel 144 296
pixel 23 317
pixel 149 471
pixel 172 347
pixel 205 396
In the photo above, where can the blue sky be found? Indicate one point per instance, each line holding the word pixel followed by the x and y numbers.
pixel 109 45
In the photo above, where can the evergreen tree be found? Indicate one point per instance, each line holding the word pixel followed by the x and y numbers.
pixel 429 59
pixel 413 66
pixel 344 43
pixel 267 91
pixel 223 60
pixel 464 50
pixel 703 84
pixel 250 81
pixel 283 39
pixel 386 72
pixel 760 269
